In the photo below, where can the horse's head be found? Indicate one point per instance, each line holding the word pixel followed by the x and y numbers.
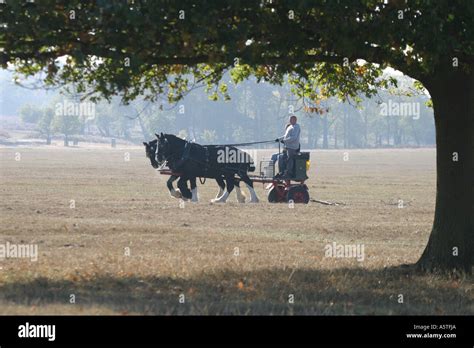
pixel 168 147
pixel 150 149
pixel 163 148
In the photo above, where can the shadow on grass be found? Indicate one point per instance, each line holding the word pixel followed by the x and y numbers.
pixel 318 292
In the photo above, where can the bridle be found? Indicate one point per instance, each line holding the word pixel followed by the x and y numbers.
pixel 166 159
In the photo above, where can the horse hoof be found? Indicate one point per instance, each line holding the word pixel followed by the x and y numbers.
pixel 218 201
pixel 176 193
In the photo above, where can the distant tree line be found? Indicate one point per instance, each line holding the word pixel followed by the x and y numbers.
pixel 256 111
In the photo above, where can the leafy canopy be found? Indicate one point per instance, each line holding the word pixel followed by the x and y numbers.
pixel 150 48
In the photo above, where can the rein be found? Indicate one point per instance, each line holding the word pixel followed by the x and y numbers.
pixel 206 164
pixel 247 144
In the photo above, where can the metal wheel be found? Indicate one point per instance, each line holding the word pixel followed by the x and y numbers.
pixel 298 194
pixel 273 196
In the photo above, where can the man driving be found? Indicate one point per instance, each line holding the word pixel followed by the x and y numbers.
pixel 291 143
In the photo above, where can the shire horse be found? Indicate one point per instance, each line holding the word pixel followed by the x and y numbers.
pixel 151 149
pixel 220 162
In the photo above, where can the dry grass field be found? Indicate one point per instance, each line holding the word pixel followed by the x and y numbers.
pixel 109 233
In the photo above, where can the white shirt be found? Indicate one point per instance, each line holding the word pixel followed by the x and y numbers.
pixel 292 137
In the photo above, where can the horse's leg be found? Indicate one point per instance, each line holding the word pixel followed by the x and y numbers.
pixel 183 187
pixel 174 193
pixel 194 191
pixel 240 195
pixel 249 183
pixel 229 180
pixel 221 184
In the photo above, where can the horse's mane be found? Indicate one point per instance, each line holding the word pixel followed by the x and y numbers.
pixel 173 137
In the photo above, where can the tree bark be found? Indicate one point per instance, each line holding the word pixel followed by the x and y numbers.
pixel 451 243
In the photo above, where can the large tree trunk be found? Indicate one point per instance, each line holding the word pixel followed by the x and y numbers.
pixel 451 243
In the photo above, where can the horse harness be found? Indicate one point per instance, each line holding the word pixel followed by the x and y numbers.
pixel 205 162
pixel 187 155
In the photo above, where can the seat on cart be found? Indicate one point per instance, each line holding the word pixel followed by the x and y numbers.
pixel 301 166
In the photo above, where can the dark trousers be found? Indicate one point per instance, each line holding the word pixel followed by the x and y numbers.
pixel 282 158
pixel 290 167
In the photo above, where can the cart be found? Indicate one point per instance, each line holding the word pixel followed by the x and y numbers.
pixel 285 190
